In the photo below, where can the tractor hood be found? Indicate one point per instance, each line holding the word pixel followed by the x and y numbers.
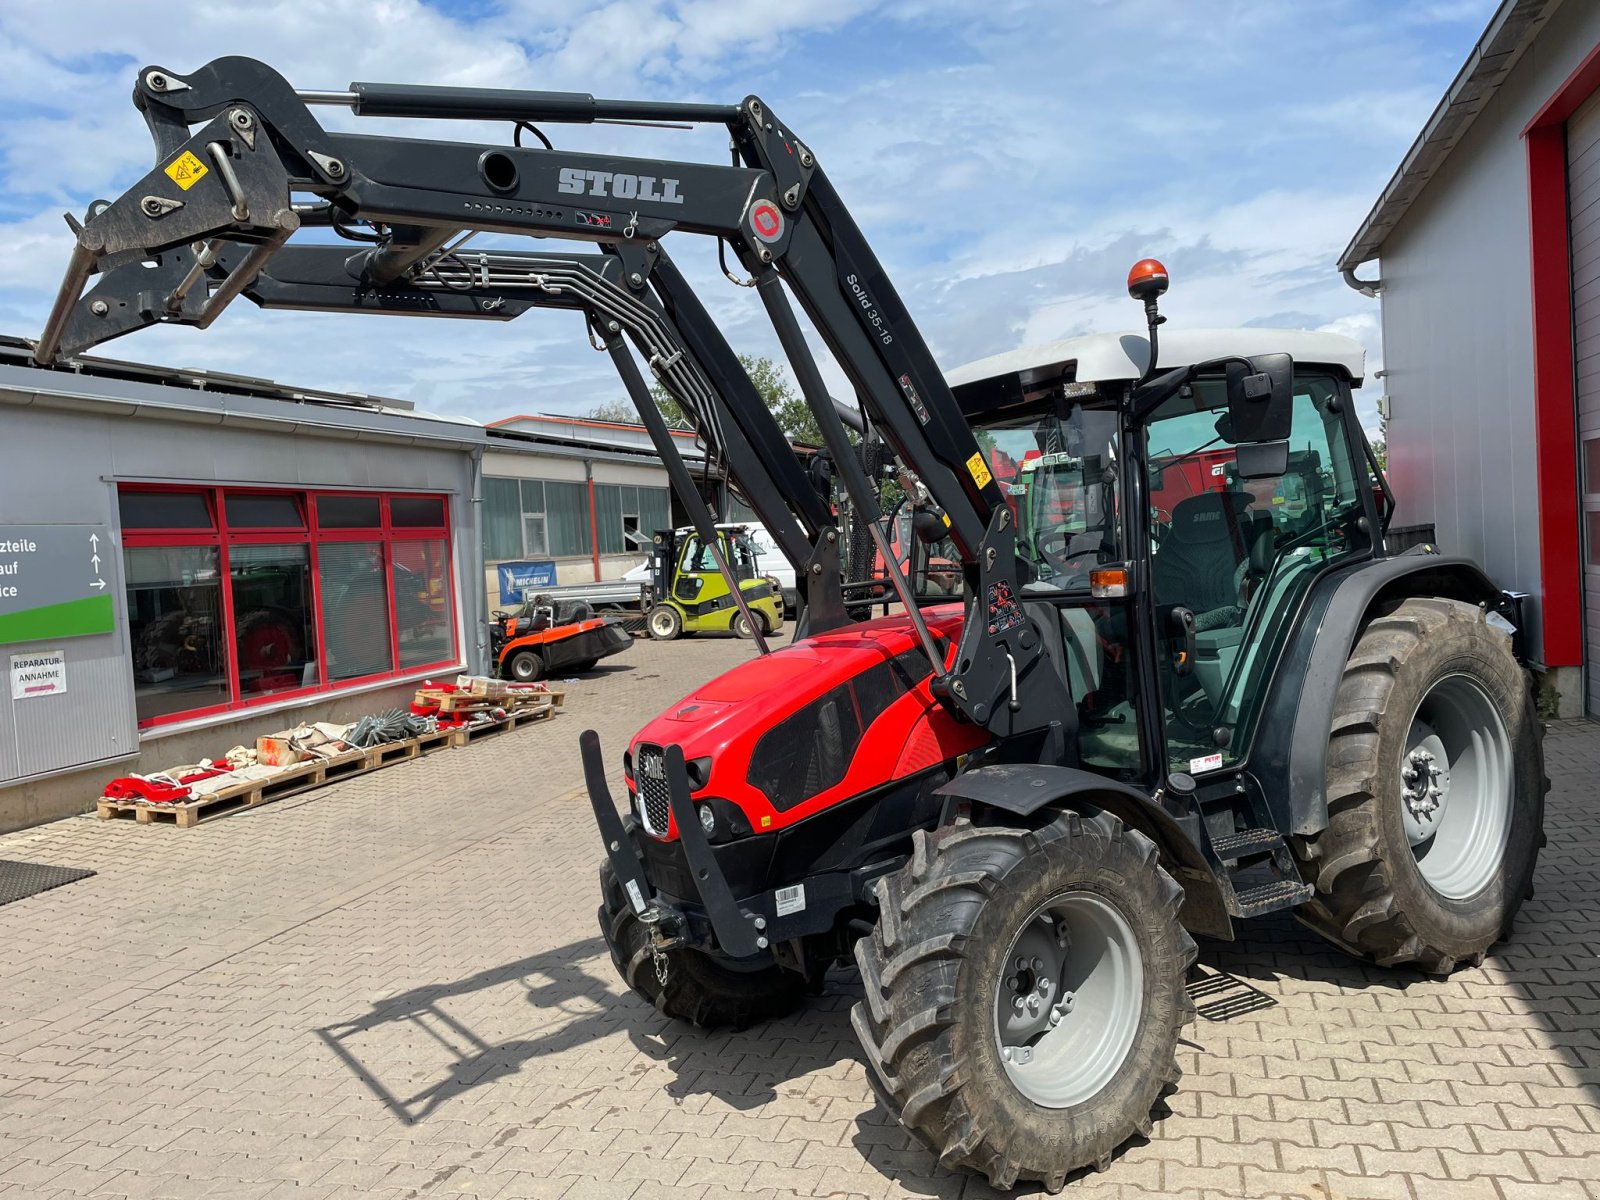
pixel 757 694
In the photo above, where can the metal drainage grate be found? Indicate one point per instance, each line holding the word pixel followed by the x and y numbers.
pixel 1218 996
pixel 19 880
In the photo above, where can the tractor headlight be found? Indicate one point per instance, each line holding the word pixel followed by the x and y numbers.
pixel 708 820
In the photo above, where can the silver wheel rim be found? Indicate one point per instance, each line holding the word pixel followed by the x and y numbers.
pixel 522 668
pixel 1069 1000
pixel 661 625
pixel 1455 788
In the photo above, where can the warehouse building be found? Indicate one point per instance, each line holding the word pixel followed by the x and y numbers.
pixel 188 560
pixel 580 498
pixel 1487 251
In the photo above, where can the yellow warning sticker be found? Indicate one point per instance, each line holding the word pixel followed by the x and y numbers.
pixel 946 517
pixel 186 170
pixel 979 470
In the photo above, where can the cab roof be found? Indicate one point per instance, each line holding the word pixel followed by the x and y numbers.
pixel 1107 356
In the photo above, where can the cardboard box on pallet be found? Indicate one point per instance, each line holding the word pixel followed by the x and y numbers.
pixel 277 752
pixel 482 685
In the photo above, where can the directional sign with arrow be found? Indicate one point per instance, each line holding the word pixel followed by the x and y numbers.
pixel 53 582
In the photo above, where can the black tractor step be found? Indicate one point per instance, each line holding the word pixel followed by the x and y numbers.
pixel 1246 842
pixel 1270 897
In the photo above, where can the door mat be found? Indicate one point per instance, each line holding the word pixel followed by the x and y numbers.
pixel 1218 996
pixel 19 880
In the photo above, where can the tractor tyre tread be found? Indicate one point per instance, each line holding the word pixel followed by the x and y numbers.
pixel 914 1020
pixel 1371 900
pixel 698 990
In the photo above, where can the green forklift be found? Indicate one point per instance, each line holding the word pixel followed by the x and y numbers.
pixel 687 595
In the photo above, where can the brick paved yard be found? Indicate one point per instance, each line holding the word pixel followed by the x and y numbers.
pixel 394 988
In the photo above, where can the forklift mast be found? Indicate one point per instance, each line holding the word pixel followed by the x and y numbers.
pixel 236 144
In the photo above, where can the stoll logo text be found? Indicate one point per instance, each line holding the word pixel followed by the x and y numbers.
pixel 577 182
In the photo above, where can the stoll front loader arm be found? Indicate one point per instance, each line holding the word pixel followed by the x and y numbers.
pixel 235 144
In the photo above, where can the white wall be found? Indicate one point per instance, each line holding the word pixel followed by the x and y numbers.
pixel 1458 329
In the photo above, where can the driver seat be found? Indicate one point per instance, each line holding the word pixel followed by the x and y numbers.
pixel 1197 563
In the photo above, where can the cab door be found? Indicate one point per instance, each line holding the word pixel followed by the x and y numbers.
pixel 696 568
pixel 1231 558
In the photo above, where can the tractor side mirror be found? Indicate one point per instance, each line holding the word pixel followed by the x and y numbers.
pixel 1260 398
pixel 1262 460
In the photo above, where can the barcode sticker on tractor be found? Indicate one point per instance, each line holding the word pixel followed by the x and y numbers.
pixel 186 170
pixel 979 470
pixel 790 899
pixel 1209 763
pixel 636 896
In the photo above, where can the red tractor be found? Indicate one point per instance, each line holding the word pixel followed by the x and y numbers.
pixel 1167 700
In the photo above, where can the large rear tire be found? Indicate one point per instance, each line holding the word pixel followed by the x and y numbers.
pixel 1435 792
pixel 699 989
pixel 982 923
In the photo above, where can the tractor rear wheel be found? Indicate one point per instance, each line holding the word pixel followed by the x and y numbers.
pixel 704 991
pixel 1024 992
pixel 1435 792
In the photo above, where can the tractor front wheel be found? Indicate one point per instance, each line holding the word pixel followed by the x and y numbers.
pixel 526 666
pixel 697 988
pixel 1435 792
pixel 664 623
pixel 1024 992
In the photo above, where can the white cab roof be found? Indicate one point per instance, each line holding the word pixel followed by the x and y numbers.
pixel 1104 356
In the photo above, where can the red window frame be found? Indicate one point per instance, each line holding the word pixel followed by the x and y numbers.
pixel 312 535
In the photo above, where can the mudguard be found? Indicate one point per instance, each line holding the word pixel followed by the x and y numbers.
pixel 1289 758
pixel 1023 789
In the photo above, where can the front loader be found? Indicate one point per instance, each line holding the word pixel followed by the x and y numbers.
pixel 1183 685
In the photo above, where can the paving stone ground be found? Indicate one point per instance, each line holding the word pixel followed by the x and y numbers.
pixel 394 988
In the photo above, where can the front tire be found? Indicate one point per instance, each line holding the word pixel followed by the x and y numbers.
pixel 1435 792
pixel 1029 1097
pixel 699 989
pixel 664 623
pixel 525 666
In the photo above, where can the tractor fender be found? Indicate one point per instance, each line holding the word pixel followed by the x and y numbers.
pixel 1026 789
pixel 1289 760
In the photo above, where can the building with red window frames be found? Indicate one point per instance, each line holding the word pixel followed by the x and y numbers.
pixel 1485 251
pixel 188 560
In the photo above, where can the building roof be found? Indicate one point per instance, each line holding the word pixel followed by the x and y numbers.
pixel 615 437
pixel 1105 356
pixel 1510 31
pixel 117 388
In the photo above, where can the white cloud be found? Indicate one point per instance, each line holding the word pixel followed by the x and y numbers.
pixel 1007 163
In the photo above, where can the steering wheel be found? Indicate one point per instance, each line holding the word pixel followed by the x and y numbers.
pixel 1053 545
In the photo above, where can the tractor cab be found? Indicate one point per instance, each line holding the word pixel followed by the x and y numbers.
pixel 1139 510
pixel 688 592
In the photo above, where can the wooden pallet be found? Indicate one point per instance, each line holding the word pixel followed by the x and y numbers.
pixel 462 702
pixel 306 776
pixel 512 720
pixel 249 793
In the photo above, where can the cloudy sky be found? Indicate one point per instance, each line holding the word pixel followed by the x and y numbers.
pixel 1008 159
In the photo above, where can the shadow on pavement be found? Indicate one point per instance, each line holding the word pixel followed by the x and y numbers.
pixel 741 1069
pixel 1547 975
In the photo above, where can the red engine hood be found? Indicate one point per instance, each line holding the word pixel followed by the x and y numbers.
pixel 757 694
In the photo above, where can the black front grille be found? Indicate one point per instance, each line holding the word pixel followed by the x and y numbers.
pixel 650 776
